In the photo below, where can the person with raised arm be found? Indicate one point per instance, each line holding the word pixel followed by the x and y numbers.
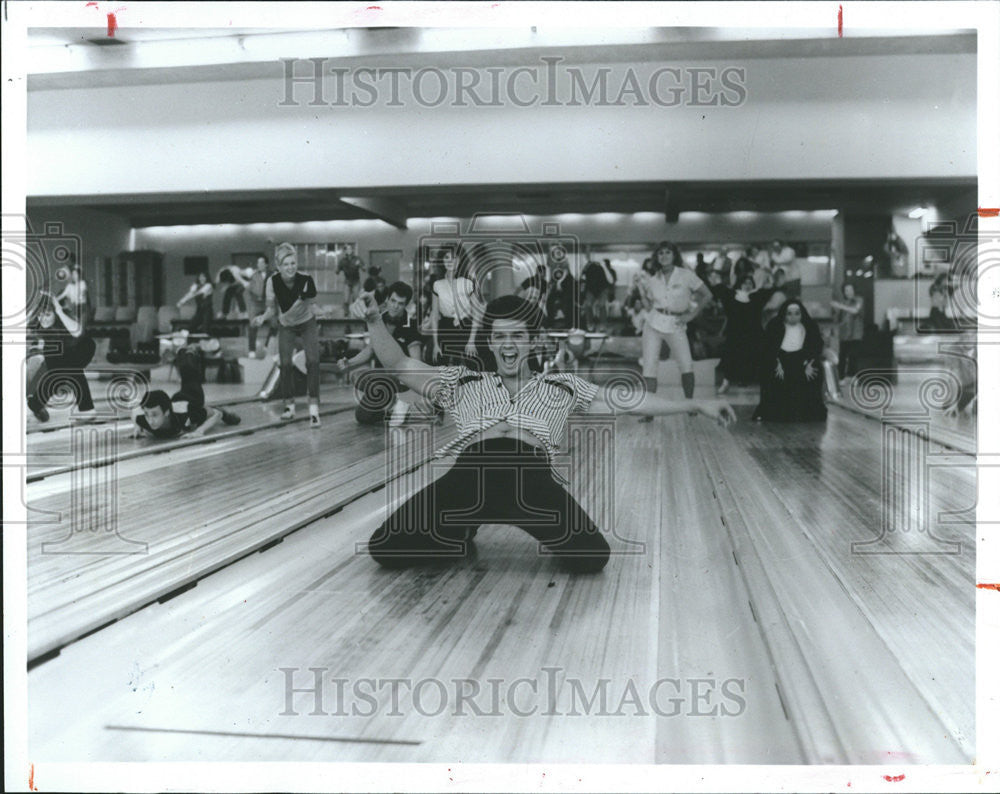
pixel 510 421
pixel 201 294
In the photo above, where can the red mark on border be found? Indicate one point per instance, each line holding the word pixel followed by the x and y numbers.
pixel 989 212
pixel 31 779
pixel 840 21
pixel 988 586
pixel 374 8
pixel 893 778
pixel 112 25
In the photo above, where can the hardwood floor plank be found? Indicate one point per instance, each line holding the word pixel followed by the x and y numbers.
pixel 747 573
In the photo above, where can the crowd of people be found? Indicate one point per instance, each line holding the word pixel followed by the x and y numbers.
pixel 743 307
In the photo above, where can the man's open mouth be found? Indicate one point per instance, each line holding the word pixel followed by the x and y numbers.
pixel 508 357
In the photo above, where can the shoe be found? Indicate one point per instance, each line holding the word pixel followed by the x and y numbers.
pixel 41 413
pixel 230 419
pixel 288 413
pixel 314 416
pixel 723 388
pixel 399 411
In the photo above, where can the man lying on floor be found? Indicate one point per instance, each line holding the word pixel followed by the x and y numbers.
pixel 185 413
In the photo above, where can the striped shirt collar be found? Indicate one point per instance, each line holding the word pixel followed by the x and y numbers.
pixel 479 400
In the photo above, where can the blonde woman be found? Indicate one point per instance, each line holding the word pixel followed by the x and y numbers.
pixel 291 295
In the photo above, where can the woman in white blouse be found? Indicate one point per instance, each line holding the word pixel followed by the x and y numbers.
pixel 455 309
pixel 75 298
pixel 672 296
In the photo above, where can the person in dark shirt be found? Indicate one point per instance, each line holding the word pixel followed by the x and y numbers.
pixel 533 288
pixel 67 350
pixel 184 413
pixel 938 320
pixel 791 384
pixel 596 284
pixel 744 335
pixel 378 391
pixel 201 294
pixel 165 417
pixel 291 296
pixel 561 301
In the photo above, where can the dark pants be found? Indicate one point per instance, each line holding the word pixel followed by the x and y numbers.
pixel 595 309
pixel 453 336
pixel 499 481
pixel 848 357
pixel 202 317
pixel 287 334
pixel 190 366
pixel 233 293
pixel 257 307
pixel 64 370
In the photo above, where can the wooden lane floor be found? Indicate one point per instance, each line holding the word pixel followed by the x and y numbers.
pixel 811 514
pixel 104 542
pixel 746 630
pixel 108 397
pixel 913 400
pixel 98 443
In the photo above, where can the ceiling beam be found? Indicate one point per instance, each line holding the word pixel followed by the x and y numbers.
pixel 670 209
pixel 384 209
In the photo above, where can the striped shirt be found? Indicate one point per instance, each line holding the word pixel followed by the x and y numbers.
pixel 479 400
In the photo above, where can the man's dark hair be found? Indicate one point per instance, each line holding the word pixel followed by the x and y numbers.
pixel 157 398
pixel 266 260
pixel 510 307
pixel 402 289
